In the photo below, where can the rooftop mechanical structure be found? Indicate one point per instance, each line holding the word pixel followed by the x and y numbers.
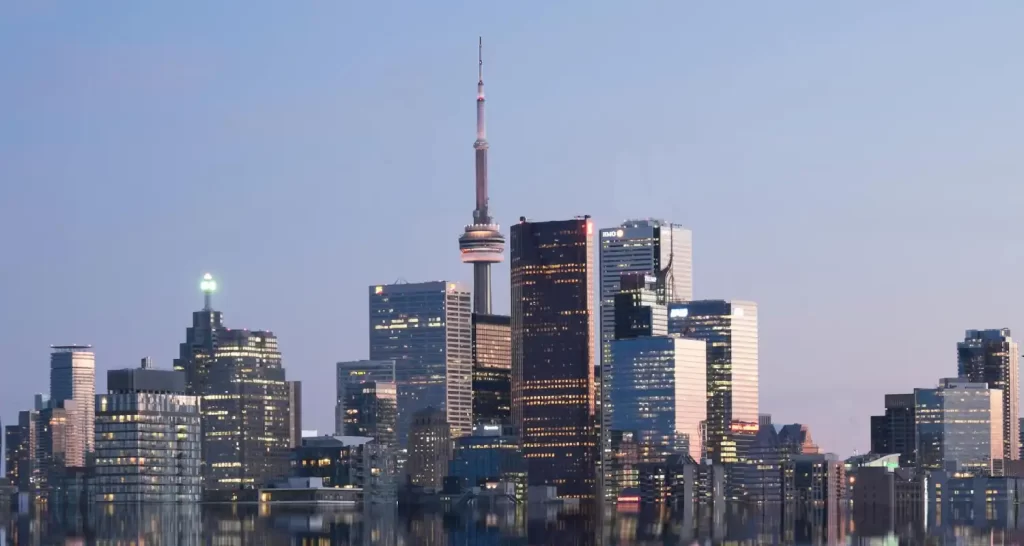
pixel 482 243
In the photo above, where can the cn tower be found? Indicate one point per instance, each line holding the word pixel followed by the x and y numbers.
pixel 482 244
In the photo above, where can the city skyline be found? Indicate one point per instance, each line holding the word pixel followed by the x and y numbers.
pixel 823 223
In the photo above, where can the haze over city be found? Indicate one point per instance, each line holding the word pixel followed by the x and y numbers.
pixel 851 169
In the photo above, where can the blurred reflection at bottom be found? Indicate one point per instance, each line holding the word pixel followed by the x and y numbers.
pixel 295 525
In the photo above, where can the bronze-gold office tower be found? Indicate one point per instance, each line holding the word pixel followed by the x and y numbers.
pixel 552 266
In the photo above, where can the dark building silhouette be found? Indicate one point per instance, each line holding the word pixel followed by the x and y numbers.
pixel 430 448
pixel 295 413
pixel 640 307
pixel 552 266
pixel 894 431
pixel 19 450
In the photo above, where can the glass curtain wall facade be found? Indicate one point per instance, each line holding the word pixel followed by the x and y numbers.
pixel 355 372
pixel 147 439
pixel 245 412
pixel 552 267
pixel 658 392
pixel 73 377
pixel 371 410
pixel 730 330
pixel 426 329
pixel 993 357
pixel 657 400
pixel 959 427
pixel 492 369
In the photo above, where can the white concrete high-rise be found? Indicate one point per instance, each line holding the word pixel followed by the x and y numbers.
pixel 73 377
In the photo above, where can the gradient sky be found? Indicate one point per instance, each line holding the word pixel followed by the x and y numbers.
pixel 854 169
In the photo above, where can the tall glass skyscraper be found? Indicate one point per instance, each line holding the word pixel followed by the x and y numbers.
pixel 658 393
pixel 426 328
pixel 992 357
pixel 657 402
pixel 959 427
pixel 730 330
pixel 552 266
pixel 73 377
pixel 638 248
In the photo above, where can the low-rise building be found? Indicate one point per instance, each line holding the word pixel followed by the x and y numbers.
pixel 489 459
pixel 307 491
pixel 348 462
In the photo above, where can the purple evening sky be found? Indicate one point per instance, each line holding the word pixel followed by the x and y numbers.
pixel 853 169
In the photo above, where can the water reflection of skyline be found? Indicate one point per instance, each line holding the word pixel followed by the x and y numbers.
pixel 228 525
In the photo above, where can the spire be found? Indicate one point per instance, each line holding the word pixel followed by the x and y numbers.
pixel 481 130
pixel 208 287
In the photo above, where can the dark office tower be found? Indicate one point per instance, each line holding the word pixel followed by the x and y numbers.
pixel 245 409
pixel 481 243
pixel 371 409
pixel 12 442
pixel 1021 437
pixel 427 329
pixel 492 369
pixel 894 431
pixel 552 266
pixel 349 378
pixel 992 356
pixel 147 438
pixel 73 377
pixel 640 307
pixel 430 448
pixel 295 413
pixel 195 355
pixel 730 330
pixel 20 451
pixel 245 400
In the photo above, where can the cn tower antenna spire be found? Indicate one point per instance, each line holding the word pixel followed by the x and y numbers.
pixel 480 58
